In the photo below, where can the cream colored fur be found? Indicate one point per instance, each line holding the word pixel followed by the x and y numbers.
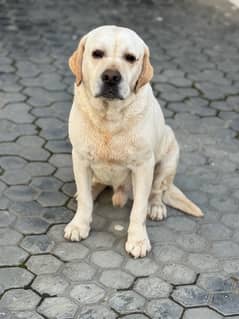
pixel 121 143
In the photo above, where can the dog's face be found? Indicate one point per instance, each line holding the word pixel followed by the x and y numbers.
pixel 112 62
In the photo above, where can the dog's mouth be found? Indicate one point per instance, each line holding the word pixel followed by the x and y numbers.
pixel 110 93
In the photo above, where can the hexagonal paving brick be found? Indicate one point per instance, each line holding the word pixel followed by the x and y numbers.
pixel 15 176
pixel 56 232
pixel 6 219
pixel 28 209
pixel 215 231
pixel 178 274
pixel 43 264
pixel 231 220
pixel 226 303
pixel 39 169
pixel 153 287
pixel 231 265
pixel 189 296
pixel 58 307
pixel 225 249
pixel 192 242
pixel 14 277
pixel 36 244
pixel 47 183
pixel 180 223
pixel 203 262
pixel 58 215
pixel 106 259
pixel 200 313
pixel 168 253
pixel 31 225
pixel 87 293
pixel 12 256
pixel 141 267
pixel 71 251
pixel 27 315
pixel 126 302
pixel 50 199
pixel 9 236
pixel 78 271
pixel 98 240
pixel 23 299
pixel 96 312
pixel 135 316
pixel 50 284
pixel 164 308
pixel 117 279
pixel 21 193
pixel 215 282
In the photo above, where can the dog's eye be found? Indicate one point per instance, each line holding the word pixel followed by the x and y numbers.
pixel 130 58
pixel 98 54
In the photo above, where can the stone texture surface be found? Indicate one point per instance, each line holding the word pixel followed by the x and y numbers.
pixel 193 269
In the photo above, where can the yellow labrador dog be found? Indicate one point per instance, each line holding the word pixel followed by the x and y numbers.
pixel 119 135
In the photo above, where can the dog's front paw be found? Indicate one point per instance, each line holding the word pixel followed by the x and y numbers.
pixel 157 211
pixel 138 243
pixel 76 232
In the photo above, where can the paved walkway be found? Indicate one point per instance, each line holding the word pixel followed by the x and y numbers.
pixel 193 269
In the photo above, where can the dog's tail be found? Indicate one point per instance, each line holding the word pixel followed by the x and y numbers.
pixel 175 198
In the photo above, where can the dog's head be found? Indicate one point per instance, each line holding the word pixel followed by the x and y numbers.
pixel 112 62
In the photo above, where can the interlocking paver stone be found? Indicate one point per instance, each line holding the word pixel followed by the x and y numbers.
pixel 12 255
pixel 189 296
pixel 226 303
pixel 106 259
pixel 43 264
pixel 95 312
pixel 141 267
pixel 58 307
pixel 126 302
pixel 71 251
pixel 36 244
pixel 117 279
pixel 50 284
pixel 164 308
pixel 9 236
pixel 79 271
pixel 178 274
pixel 14 277
pixel 153 287
pixel 87 293
pixel 19 299
pixel 200 313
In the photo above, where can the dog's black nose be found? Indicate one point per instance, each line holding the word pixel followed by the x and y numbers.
pixel 111 77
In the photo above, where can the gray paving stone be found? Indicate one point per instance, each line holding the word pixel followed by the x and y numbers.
pixel 9 236
pixel 117 279
pixel 203 262
pixel 43 264
pixel 87 293
pixel 189 296
pixel 97 311
pixel 12 255
pixel 54 198
pixel 58 307
pixel 106 259
pixel 192 242
pixel 199 313
pixel 98 240
pixel 164 308
pixel 225 249
pixel 50 284
pixel 71 251
pixel 56 233
pixel 167 253
pixel 65 174
pixel 6 219
pixel 23 299
pixel 48 183
pixel 180 223
pixel 141 267
pixel 226 303
pixel 27 315
pixel 36 244
pixel 231 220
pixel 21 193
pixel 215 282
pixel 15 176
pixel 126 302
pixel 78 271
pixel 178 274
pixel 152 287
pixel 231 265
pixel 31 225
pixel 57 215
pixel 18 113
pixel 14 277
pixel 215 231
pixel 39 169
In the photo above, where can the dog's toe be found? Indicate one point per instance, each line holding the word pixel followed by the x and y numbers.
pixel 157 211
pixel 76 232
pixel 138 246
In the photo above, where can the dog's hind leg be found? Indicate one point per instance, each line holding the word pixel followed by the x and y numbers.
pixel 97 189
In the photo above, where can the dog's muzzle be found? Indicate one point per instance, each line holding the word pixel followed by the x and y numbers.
pixel 110 84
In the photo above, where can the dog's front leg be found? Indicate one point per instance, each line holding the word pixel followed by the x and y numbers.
pixel 79 227
pixel 138 243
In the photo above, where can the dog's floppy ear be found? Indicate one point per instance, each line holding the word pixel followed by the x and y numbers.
pixel 146 72
pixel 75 61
